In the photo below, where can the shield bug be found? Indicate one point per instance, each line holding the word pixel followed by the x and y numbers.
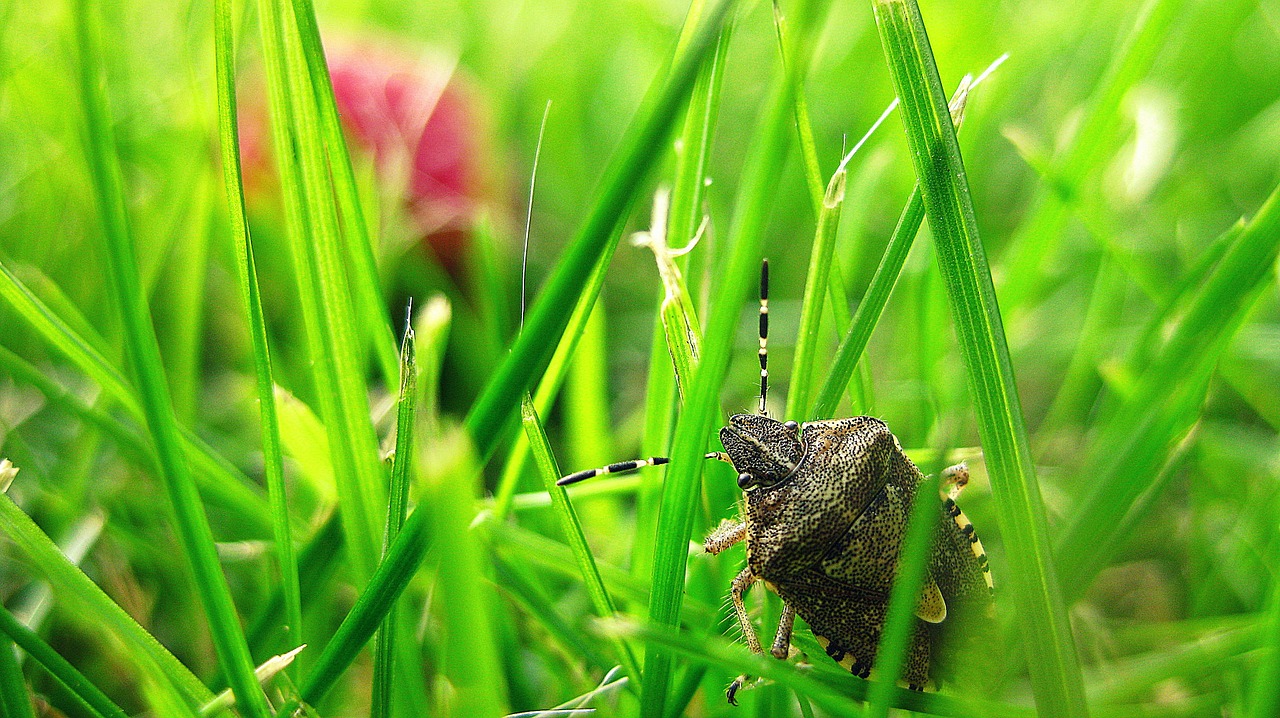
pixel 823 516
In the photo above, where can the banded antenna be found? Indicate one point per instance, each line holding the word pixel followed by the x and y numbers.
pixel 764 335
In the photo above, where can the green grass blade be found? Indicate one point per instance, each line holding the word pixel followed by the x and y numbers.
pixel 191 523
pixel 572 528
pixel 681 489
pixel 320 265
pixel 1264 689
pixel 815 291
pixel 1132 446
pixel 900 618
pixel 15 702
pixel 549 314
pixel 397 506
pixel 78 593
pixel 66 674
pixel 366 285
pixel 1049 644
pixel 273 461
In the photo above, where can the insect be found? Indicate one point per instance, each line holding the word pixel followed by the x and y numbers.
pixel 824 512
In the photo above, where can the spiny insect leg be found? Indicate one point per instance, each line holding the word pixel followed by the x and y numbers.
pixel 616 468
pixel 764 334
pixel 725 535
pixel 741 583
pixel 782 639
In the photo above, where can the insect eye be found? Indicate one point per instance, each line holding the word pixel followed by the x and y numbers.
pixel 791 426
pixel 745 480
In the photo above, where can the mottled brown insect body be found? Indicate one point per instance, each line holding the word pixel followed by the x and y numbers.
pixel 826 507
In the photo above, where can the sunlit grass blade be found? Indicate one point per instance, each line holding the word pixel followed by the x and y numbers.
pixel 1137 437
pixel 900 619
pixel 1047 637
pixel 681 488
pixel 78 593
pixel 273 461
pixel 66 674
pixel 320 262
pixel 569 523
pixel 1264 688
pixel 397 505
pixel 192 525
pixel 366 285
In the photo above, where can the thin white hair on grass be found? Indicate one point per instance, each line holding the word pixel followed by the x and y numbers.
pixel 572 707
pixel 967 85
pixel 528 213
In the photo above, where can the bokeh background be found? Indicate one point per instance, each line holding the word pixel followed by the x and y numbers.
pixel 1105 156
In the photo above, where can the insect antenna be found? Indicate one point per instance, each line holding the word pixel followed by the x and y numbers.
pixel 764 334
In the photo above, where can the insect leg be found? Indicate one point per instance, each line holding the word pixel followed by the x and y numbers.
pixel 726 534
pixel 782 640
pixel 764 334
pixel 740 584
pixel 617 468
pixel 954 479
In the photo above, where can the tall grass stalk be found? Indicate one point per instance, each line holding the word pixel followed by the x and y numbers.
pixel 572 528
pixel 192 526
pixel 1047 638
pixel 233 180
pixel 681 489
pixel 384 650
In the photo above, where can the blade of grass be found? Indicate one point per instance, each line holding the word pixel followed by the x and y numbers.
pixel 63 672
pixel 397 507
pixel 323 286
pixel 273 461
pixel 1132 446
pixel 1264 688
pixel 681 488
pixel 78 593
pixel 469 655
pixel 547 319
pixel 1049 644
pixel 900 618
pixel 15 702
pixel 572 529
pixel 359 245
pixel 188 513
pixel 886 276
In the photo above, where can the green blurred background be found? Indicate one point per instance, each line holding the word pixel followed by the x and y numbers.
pixel 1105 156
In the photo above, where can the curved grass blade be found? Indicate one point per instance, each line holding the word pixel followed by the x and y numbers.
pixel 63 672
pixel 1050 646
pixel 79 593
pixel 191 523
pixel 273 461
pixel 569 523
pixel 15 701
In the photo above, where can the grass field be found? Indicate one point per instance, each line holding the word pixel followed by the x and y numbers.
pixel 304 309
